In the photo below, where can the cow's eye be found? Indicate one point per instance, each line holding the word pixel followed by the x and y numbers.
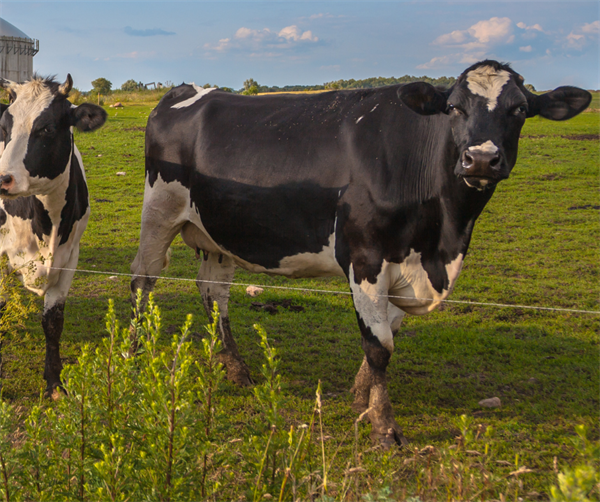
pixel 520 110
pixel 455 109
pixel 46 131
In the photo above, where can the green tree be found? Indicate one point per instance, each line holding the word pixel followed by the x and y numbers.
pixel 130 85
pixel 248 84
pixel 101 86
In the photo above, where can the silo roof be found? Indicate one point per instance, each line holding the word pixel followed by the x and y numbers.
pixel 8 30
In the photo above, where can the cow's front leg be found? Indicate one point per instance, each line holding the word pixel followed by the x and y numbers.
pixel 370 386
pixel 52 322
pixel 362 381
pixel 214 283
pixel 53 319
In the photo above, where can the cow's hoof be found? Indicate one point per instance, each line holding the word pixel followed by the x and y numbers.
pixel 386 432
pixel 388 439
pixel 237 371
pixel 54 391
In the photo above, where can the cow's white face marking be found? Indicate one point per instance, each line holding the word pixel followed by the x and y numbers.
pixel 200 93
pixel 487 82
pixel 487 147
pixel 32 99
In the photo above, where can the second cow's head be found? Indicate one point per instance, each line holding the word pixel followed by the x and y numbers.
pixel 487 108
pixel 36 129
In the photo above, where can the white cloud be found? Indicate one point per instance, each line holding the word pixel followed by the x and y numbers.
pixel 535 27
pixel 495 30
pixel 527 48
pixel 295 34
pixel 262 43
pixel 456 37
pixel 474 42
pixel 591 27
pixel 450 59
pixel 575 41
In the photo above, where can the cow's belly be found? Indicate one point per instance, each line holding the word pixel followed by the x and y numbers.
pixel 321 264
pixel 411 288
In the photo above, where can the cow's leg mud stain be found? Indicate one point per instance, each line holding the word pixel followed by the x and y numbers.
pixel 216 271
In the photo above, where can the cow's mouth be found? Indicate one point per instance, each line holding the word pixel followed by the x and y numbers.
pixel 480 182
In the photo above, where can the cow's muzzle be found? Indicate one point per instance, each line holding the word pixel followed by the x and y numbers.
pixel 480 169
pixel 6 183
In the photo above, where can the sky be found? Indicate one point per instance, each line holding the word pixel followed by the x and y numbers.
pixel 308 42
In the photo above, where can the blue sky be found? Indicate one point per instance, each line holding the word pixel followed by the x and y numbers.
pixel 308 42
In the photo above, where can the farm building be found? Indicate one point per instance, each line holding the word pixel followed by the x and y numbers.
pixel 16 53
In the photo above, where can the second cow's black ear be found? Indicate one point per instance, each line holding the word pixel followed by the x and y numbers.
pixel 423 98
pixel 88 117
pixel 562 103
pixel 3 108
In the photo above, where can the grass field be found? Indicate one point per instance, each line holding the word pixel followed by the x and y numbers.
pixel 536 244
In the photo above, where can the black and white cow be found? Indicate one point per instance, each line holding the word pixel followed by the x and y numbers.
pixel 44 205
pixel 382 186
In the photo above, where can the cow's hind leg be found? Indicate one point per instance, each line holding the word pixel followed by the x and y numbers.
pixel 377 322
pixel 214 282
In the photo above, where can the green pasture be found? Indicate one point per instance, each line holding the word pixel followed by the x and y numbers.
pixel 536 244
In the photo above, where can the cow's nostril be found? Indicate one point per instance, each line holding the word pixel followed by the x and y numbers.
pixel 467 160
pixel 6 180
pixel 495 161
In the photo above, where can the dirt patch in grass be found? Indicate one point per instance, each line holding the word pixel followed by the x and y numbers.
pixel 135 128
pixel 582 137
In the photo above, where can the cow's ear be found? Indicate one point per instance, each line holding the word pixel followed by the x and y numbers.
pixel 3 108
pixel 562 103
pixel 423 98
pixel 88 117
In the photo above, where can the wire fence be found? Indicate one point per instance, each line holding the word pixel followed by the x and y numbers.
pixel 334 292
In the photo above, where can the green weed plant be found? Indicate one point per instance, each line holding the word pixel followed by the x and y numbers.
pixel 149 426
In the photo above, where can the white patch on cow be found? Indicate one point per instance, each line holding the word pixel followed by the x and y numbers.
pixel 371 304
pixel 487 82
pixel 322 264
pixel 200 93
pixel 410 283
pixel 22 247
pixel 487 147
pixel 374 108
pixel 360 118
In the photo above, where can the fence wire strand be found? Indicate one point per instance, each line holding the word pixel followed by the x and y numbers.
pixel 332 292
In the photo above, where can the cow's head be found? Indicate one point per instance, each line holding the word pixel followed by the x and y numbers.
pixel 37 134
pixel 487 108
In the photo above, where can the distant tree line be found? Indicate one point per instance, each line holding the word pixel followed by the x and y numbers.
pixel 252 87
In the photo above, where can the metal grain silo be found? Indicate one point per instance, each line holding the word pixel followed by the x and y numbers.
pixel 16 53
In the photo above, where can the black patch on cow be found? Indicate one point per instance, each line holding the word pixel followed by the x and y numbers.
pixel 49 144
pixel 264 225
pixel 169 172
pixel 3 217
pixel 30 208
pixel 76 201
pixel 6 125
